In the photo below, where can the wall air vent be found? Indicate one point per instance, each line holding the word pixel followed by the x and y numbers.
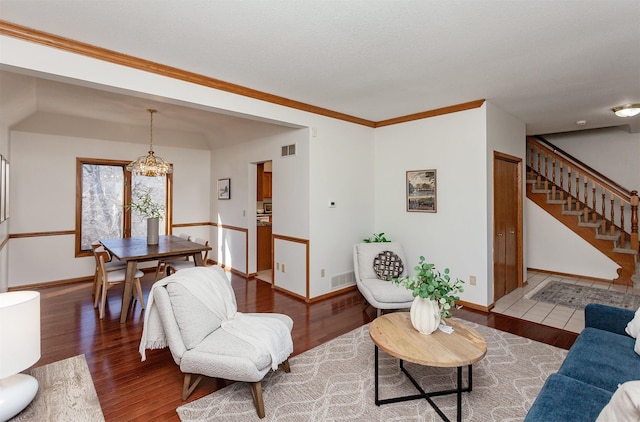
pixel 288 150
pixel 344 279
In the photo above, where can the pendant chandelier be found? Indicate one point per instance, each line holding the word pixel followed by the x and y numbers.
pixel 150 165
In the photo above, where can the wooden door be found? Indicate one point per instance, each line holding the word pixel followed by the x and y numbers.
pixel 507 224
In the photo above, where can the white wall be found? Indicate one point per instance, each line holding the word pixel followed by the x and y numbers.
pixel 456 235
pixel 18 100
pixel 553 247
pixel 613 152
pixel 290 193
pixel 341 170
pixel 43 188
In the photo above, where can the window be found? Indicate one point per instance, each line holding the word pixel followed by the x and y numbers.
pixel 103 187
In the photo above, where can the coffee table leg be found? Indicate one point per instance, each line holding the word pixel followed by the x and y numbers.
pixel 459 394
pixel 424 395
pixel 376 372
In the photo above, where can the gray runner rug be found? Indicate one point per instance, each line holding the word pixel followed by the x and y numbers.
pixel 335 382
pixel 577 297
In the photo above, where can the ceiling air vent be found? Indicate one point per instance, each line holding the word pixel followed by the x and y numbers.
pixel 288 150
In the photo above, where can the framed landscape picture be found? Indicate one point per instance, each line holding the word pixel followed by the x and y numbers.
pixel 224 188
pixel 421 191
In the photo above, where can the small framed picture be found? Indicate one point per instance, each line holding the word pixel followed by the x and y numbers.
pixel 421 191
pixel 224 188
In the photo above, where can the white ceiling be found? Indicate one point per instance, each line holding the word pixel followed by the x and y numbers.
pixel 549 63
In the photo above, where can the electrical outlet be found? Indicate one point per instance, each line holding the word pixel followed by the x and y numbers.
pixel 283 269
pixel 322 272
pixel 472 280
pixel 277 266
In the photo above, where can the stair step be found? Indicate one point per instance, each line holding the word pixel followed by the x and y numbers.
pixel 625 251
pixel 589 224
pixel 607 237
pixel 539 190
pixel 572 212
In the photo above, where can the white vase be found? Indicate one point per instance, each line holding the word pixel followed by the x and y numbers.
pixel 425 315
pixel 153 228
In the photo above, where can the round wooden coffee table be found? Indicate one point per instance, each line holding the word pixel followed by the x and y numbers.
pixel 394 334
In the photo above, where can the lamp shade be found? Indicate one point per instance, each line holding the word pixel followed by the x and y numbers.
pixel 19 331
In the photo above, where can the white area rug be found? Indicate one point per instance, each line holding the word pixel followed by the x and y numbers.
pixel 335 382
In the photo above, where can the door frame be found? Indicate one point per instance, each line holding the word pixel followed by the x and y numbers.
pixel 519 229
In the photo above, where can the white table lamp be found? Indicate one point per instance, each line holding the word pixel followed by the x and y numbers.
pixel 19 349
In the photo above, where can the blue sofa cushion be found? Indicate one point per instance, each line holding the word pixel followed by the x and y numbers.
pixel 568 400
pixel 602 359
pixel 607 318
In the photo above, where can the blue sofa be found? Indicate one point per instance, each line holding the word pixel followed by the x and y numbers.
pixel 601 358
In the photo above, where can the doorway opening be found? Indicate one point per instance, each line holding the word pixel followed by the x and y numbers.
pixel 264 220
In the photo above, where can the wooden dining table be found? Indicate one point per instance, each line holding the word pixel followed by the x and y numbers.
pixel 135 249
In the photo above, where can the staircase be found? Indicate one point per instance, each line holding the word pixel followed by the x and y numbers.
pixel 597 209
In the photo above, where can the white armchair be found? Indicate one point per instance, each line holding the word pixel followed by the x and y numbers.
pixel 193 312
pixel 372 266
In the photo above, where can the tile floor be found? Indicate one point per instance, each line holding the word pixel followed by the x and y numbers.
pixel 515 304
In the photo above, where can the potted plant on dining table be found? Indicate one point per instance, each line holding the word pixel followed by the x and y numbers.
pixel 152 211
pixel 435 295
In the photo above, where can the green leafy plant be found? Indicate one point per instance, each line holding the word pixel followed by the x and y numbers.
pixel 144 204
pixel 429 283
pixel 376 238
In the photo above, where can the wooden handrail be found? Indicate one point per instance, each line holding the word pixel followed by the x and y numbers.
pixel 604 180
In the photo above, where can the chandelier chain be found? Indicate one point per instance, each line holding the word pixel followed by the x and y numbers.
pixel 151 111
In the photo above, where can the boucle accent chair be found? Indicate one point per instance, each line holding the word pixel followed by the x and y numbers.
pixel 371 281
pixel 193 312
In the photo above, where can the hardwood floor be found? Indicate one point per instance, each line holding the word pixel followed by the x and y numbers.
pixel 130 390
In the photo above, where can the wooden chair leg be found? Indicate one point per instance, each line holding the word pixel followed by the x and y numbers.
pixel 285 366
pixel 96 294
pixel 139 292
pixel 103 300
pixel 256 393
pixel 187 387
pixel 95 283
pixel 160 265
pixel 378 313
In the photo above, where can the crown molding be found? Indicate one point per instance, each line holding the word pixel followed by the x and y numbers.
pixel 431 113
pixel 51 40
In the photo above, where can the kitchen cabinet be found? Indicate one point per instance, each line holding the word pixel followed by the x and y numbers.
pixel 264 247
pixel 263 183
pixel 266 183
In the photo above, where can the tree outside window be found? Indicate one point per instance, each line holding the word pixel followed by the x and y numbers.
pixel 103 188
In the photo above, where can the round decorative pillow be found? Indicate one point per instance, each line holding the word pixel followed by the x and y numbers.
pixel 387 265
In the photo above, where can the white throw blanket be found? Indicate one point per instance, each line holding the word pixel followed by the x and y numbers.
pixel 212 288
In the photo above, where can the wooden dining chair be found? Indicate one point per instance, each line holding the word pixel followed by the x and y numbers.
pixel 175 265
pixel 162 264
pixel 109 265
pixel 108 279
